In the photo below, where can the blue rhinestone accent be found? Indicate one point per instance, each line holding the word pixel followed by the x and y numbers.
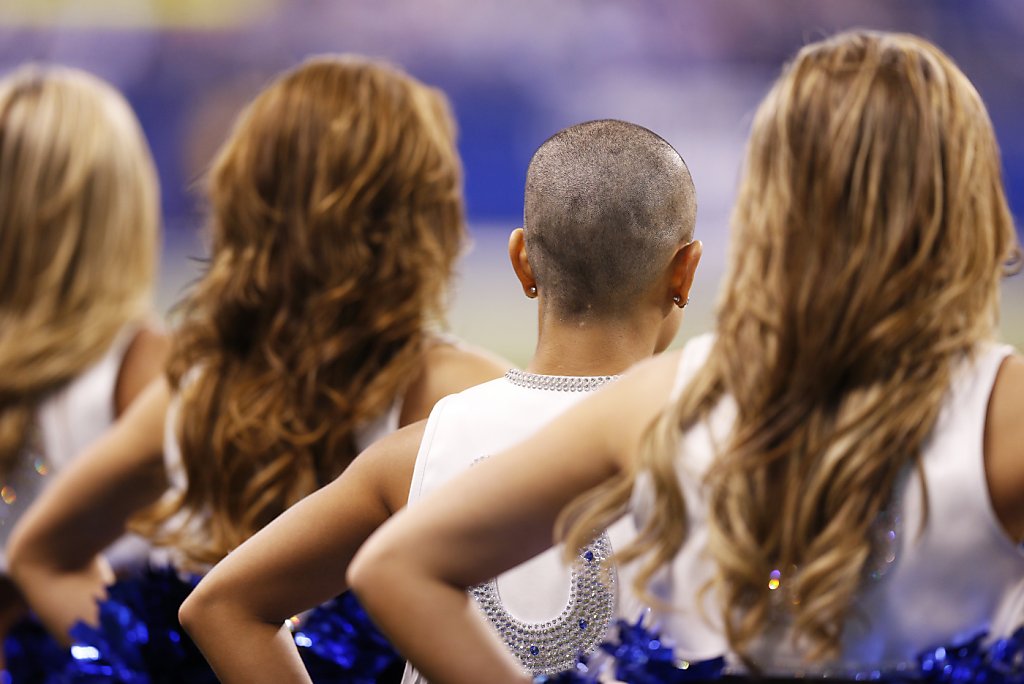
pixel 550 647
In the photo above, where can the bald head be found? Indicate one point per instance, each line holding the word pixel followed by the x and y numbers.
pixel 607 204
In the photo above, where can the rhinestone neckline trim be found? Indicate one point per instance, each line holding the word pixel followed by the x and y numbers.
pixel 552 646
pixel 558 383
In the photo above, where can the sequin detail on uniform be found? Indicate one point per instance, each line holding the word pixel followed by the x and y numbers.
pixel 549 647
pixel 557 383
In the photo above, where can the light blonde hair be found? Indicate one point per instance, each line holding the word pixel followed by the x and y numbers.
pixel 336 219
pixel 871 232
pixel 79 218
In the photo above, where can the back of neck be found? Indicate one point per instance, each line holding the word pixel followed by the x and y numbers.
pixel 587 347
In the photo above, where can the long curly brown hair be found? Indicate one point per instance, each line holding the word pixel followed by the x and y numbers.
pixel 78 193
pixel 336 219
pixel 871 232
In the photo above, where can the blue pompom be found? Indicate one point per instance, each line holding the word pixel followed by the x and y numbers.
pixel 33 656
pixel 139 639
pixel 999 662
pixel 639 656
pixel 339 643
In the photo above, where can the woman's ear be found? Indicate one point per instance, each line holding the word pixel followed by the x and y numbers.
pixel 682 269
pixel 520 262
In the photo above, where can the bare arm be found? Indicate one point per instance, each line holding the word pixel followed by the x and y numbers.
pixel 54 550
pixel 412 575
pixel 298 561
pixel 142 364
pixel 1004 453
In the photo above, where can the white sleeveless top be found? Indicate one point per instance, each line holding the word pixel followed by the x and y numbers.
pixel 957 576
pixel 545 612
pixel 66 423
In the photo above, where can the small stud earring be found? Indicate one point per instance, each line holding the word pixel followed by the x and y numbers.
pixel 533 291
pixel 678 299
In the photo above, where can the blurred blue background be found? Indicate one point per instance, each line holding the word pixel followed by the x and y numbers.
pixel 516 72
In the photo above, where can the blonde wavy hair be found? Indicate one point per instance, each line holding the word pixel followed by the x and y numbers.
pixel 871 232
pixel 78 192
pixel 336 219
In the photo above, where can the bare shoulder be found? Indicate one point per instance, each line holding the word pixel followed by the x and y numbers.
pixel 461 364
pixel 448 368
pixel 1004 445
pixel 660 370
pixel 144 360
pixel 632 403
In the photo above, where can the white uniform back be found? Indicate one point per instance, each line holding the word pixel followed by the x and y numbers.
pixel 957 576
pixel 545 611
pixel 66 423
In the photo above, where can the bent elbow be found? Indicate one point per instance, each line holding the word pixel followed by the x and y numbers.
pixel 21 562
pixel 356 574
pixel 196 610
pixel 366 569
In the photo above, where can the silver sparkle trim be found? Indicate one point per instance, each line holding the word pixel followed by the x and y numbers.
pixel 553 646
pixel 558 383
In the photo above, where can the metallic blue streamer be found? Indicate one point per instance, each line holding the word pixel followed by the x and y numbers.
pixel 339 643
pixel 33 656
pixel 141 642
pixel 139 639
pixel 638 656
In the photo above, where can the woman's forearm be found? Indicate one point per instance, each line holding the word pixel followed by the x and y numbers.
pixel 61 598
pixel 297 561
pixel 241 648
pixel 54 550
pixel 458 648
